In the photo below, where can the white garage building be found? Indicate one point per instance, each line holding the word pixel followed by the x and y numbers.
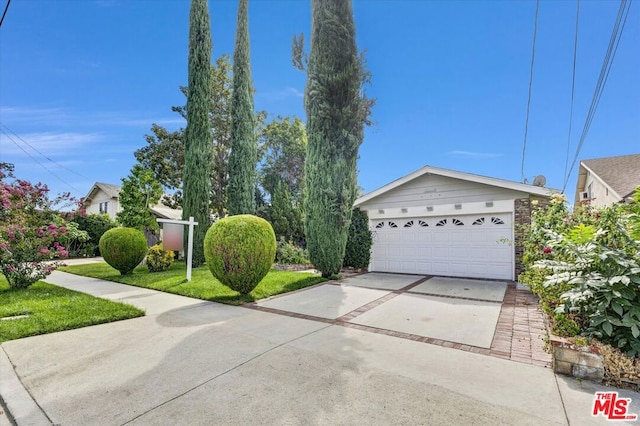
pixel 442 222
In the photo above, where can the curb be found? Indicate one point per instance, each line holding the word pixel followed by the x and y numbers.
pixel 21 409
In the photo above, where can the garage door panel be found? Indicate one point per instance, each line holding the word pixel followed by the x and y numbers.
pixel 455 250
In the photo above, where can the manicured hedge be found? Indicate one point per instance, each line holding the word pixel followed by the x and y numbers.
pixel 240 250
pixel 123 248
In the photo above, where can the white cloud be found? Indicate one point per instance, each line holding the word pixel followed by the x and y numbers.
pixel 477 155
pixel 279 95
pixel 48 143
pixel 32 115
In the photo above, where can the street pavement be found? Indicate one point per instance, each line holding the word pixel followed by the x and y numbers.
pixel 190 362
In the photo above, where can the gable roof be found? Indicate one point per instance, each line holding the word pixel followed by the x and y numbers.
pixel 430 170
pixel 112 191
pixel 621 174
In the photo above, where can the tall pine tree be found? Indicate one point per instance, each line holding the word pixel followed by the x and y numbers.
pixel 244 152
pixel 335 128
pixel 198 140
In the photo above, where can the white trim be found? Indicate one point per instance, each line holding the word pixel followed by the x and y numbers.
pixel 581 183
pixel 501 183
pixel 500 206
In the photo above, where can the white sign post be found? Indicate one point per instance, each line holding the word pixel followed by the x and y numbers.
pixel 191 224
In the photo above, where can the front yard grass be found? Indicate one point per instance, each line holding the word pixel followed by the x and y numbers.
pixel 49 308
pixel 202 286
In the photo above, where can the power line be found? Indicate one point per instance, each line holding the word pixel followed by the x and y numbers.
pixel 38 161
pixel 5 12
pixel 573 87
pixel 40 152
pixel 533 57
pixel 614 42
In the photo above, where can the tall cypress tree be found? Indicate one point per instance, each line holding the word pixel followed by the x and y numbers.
pixel 198 140
pixel 244 151
pixel 335 129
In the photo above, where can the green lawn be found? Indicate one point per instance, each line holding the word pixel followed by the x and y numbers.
pixel 51 308
pixel 202 285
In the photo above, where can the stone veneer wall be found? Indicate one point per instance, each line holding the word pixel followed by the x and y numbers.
pixel 522 219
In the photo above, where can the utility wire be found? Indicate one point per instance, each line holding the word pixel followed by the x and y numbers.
pixel 40 152
pixel 573 87
pixel 614 42
pixel 533 57
pixel 38 161
pixel 5 12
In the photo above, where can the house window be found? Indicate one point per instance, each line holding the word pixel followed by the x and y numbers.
pixel 457 222
pixel 103 207
pixel 380 225
pixel 392 225
pixel 478 221
pixel 497 221
pixel 408 224
pixel 443 222
pixel 423 223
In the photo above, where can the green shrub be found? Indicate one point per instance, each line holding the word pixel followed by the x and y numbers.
pixel 359 240
pixel 123 248
pixel 95 225
pixel 159 259
pixel 564 326
pixel 288 253
pixel 605 286
pixel 240 250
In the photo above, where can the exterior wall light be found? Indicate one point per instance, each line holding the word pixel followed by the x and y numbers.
pixel 458 206
pixel 489 204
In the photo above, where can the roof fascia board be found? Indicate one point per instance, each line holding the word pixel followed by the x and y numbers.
pixel 596 176
pixel 521 187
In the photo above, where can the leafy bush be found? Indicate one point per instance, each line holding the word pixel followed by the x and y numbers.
pixel 30 238
pixel 288 253
pixel 123 248
pixel 564 326
pixel 95 225
pixel 359 241
pixel 605 284
pixel 240 250
pixel 159 259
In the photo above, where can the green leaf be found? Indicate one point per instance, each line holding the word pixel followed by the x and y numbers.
pixel 635 331
pixel 616 307
pixel 608 328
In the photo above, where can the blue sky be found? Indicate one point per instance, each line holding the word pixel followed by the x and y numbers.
pixel 83 80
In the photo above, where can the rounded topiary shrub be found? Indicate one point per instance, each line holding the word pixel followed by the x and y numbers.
pixel 123 248
pixel 159 259
pixel 240 250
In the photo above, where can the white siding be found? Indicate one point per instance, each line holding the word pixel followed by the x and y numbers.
pixel 113 206
pixel 439 190
pixel 600 194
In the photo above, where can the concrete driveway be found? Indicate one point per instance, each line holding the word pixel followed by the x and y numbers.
pixel 458 311
pixel 206 363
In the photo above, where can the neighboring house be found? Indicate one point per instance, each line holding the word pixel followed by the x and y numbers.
pixel 443 222
pixel 610 180
pixel 104 198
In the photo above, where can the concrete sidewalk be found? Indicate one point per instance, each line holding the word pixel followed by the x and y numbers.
pixel 194 362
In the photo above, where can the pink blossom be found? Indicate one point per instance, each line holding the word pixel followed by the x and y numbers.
pixel 51 227
pixel 44 250
pixel 54 234
pixel 63 253
pixel 547 250
pixel 40 231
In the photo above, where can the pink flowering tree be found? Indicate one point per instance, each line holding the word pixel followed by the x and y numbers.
pixel 30 247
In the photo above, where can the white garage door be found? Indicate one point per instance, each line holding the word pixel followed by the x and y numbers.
pixel 461 246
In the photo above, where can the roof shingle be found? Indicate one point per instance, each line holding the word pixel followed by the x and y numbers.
pixel 621 173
